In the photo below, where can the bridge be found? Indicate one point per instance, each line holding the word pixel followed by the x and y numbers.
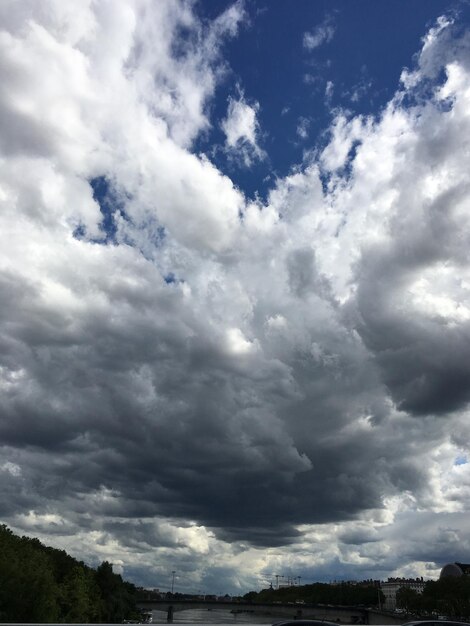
pixel 339 614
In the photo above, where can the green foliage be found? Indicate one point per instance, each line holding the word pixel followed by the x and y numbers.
pixel 320 593
pixel 448 596
pixel 42 584
pixel 118 596
pixel 76 600
pixel 408 599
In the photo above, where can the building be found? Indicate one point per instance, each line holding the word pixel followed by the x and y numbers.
pixel 455 569
pixel 392 585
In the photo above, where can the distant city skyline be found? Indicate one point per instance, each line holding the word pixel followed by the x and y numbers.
pixel 235 287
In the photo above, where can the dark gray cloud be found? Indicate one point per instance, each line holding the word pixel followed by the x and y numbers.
pixel 423 358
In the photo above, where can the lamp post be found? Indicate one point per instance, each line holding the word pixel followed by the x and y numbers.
pixel 172 581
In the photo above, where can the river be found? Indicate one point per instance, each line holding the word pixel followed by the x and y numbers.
pixel 214 616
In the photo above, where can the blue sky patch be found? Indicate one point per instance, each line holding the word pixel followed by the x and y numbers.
pixel 360 52
pixel 107 201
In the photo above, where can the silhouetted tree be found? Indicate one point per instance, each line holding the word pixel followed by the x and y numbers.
pixel 41 584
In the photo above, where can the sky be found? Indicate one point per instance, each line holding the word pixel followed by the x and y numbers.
pixel 235 286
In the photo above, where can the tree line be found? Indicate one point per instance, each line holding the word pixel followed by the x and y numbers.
pixel 43 584
pixel 345 594
pixel 449 597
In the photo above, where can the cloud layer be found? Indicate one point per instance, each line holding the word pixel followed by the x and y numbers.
pixel 191 377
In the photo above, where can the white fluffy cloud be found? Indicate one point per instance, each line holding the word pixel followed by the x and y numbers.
pixel 242 131
pixel 306 357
